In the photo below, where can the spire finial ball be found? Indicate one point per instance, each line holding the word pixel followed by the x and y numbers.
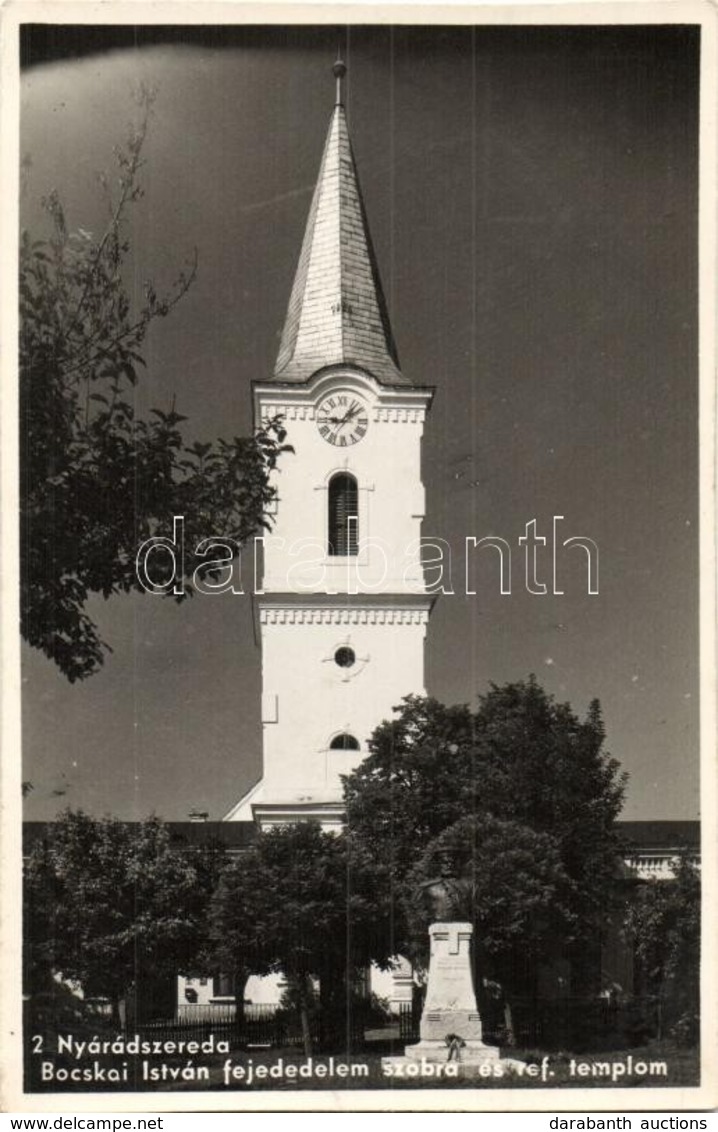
pixel 339 69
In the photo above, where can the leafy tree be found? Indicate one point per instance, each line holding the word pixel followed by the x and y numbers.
pixel 299 901
pixel 510 887
pixel 552 773
pixel 116 906
pixel 521 760
pixel 418 779
pixel 664 926
pixel 512 878
pixel 96 479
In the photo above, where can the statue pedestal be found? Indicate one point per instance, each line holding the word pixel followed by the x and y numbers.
pixel 451 1043
pixel 450 1008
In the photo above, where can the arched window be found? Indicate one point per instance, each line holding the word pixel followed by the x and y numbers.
pixel 344 742
pixel 343 537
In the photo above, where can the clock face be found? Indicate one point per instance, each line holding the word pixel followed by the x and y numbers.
pixel 342 419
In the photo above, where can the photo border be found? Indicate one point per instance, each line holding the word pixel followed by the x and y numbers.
pixel 560 1099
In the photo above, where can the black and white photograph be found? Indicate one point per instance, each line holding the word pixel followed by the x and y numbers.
pixel 362 557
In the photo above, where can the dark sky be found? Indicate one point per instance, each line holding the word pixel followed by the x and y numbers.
pixel 532 195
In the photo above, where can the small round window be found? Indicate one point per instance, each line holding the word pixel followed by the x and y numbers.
pixel 345 657
pixel 344 742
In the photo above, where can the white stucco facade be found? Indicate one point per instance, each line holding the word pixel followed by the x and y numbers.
pixel 386 462
pixel 315 605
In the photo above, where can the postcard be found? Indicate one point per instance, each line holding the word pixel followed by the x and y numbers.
pixel 359 529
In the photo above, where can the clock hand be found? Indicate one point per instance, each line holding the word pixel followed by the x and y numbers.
pixel 351 412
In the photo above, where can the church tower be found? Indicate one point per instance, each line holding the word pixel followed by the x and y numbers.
pixel 343 607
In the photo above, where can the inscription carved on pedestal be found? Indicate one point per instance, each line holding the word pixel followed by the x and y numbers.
pixel 450 1006
pixel 450 1021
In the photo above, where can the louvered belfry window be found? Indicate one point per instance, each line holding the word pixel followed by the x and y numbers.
pixel 343 515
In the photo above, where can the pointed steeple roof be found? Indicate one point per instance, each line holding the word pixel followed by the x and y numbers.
pixel 337 312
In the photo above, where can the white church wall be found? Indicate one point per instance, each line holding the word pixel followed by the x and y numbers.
pixel 264 990
pixel 395 986
pixel 386 465
pixel 316 699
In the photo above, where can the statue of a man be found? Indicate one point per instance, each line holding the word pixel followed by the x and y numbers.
pixel 447 897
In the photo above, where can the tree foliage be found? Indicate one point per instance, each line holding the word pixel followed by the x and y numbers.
pixel 299 901
pixel 512 880
pixel 522 768
pixel 664 926
pixel 115 906
pixel 418 778
pixel 96 478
